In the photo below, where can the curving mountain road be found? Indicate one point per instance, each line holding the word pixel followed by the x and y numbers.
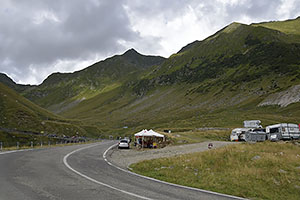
pixel 79 172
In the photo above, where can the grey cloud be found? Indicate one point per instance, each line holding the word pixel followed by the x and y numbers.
pixel 166 9
pixel 74 30
pixel 83 28
pixel 254 9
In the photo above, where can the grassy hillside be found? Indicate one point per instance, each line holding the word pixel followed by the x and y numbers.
pixel 291 27
pixel 217 82
pixel 20 118
pixel 166 108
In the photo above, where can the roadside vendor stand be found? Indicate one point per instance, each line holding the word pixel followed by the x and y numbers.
pixel 148 138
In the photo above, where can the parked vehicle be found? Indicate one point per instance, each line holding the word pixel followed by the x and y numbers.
pixel 127 138
pixel 284 131
pixel 124 143
pixel 238 134
pixel 256 135
pixel 253 132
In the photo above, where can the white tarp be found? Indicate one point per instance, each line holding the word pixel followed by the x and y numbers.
pixel 149 133
pixel 155 133
pixel 142 133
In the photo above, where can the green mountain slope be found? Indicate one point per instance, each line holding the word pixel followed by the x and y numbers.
pixel 18 115
pixel 219 81
pixel 235 58
pixel 241 72
pixel 291 27
pixel 236 44
pixel 61 91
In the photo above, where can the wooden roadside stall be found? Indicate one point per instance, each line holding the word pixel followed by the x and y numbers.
pixel 148 139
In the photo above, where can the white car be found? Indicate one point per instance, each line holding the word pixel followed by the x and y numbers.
pixel 123 144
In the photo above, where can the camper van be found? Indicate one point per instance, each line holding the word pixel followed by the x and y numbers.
pixel 238 134
pixel 283 131
pixel 256 135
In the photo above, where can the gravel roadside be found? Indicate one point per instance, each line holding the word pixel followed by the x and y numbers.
pixel 125 157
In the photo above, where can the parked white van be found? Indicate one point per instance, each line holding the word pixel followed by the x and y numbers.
pixel 283 131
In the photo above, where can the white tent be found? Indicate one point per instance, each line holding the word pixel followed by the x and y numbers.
pixel 149 133
pixel 155 133
pixel 142 133
pixel 147 137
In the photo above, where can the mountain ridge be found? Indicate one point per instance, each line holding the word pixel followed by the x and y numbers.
pixel 6 80
pixel 99 77
pixel 218 82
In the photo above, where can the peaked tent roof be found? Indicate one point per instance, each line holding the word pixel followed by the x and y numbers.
pixel 155 133
pixel 150 133
pixel 142 133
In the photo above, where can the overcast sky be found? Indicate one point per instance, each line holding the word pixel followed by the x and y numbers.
pixel 39 37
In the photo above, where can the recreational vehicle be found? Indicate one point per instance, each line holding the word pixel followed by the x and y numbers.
pixel 283 131
pixel 238 134
pixel 256 135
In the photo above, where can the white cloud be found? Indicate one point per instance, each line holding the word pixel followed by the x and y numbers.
pixel 42 16
pixel 286 9
pixel 174 31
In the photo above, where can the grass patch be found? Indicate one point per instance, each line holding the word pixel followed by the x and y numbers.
pixel 257 171
pixel 183 136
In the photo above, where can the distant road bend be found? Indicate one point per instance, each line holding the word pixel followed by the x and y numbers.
pixel 80 172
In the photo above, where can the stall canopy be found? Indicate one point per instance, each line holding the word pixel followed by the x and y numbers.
pixel 148 133
pixel 155 133
pixel 149 139
pixel 142 133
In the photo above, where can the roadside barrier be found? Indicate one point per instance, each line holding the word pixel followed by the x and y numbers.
pixel 5 146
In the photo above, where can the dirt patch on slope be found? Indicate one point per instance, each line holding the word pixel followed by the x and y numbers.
pixel 284 98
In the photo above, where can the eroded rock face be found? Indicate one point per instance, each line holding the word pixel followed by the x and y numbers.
pixel 284 98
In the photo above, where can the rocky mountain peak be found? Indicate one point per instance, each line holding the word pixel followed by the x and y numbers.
pixel 131 52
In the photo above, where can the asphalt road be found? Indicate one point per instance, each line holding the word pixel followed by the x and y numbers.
pixel 64 173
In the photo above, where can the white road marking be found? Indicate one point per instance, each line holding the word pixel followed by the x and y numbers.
pixel 93 180
pixel 14 151
pixel 172 184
